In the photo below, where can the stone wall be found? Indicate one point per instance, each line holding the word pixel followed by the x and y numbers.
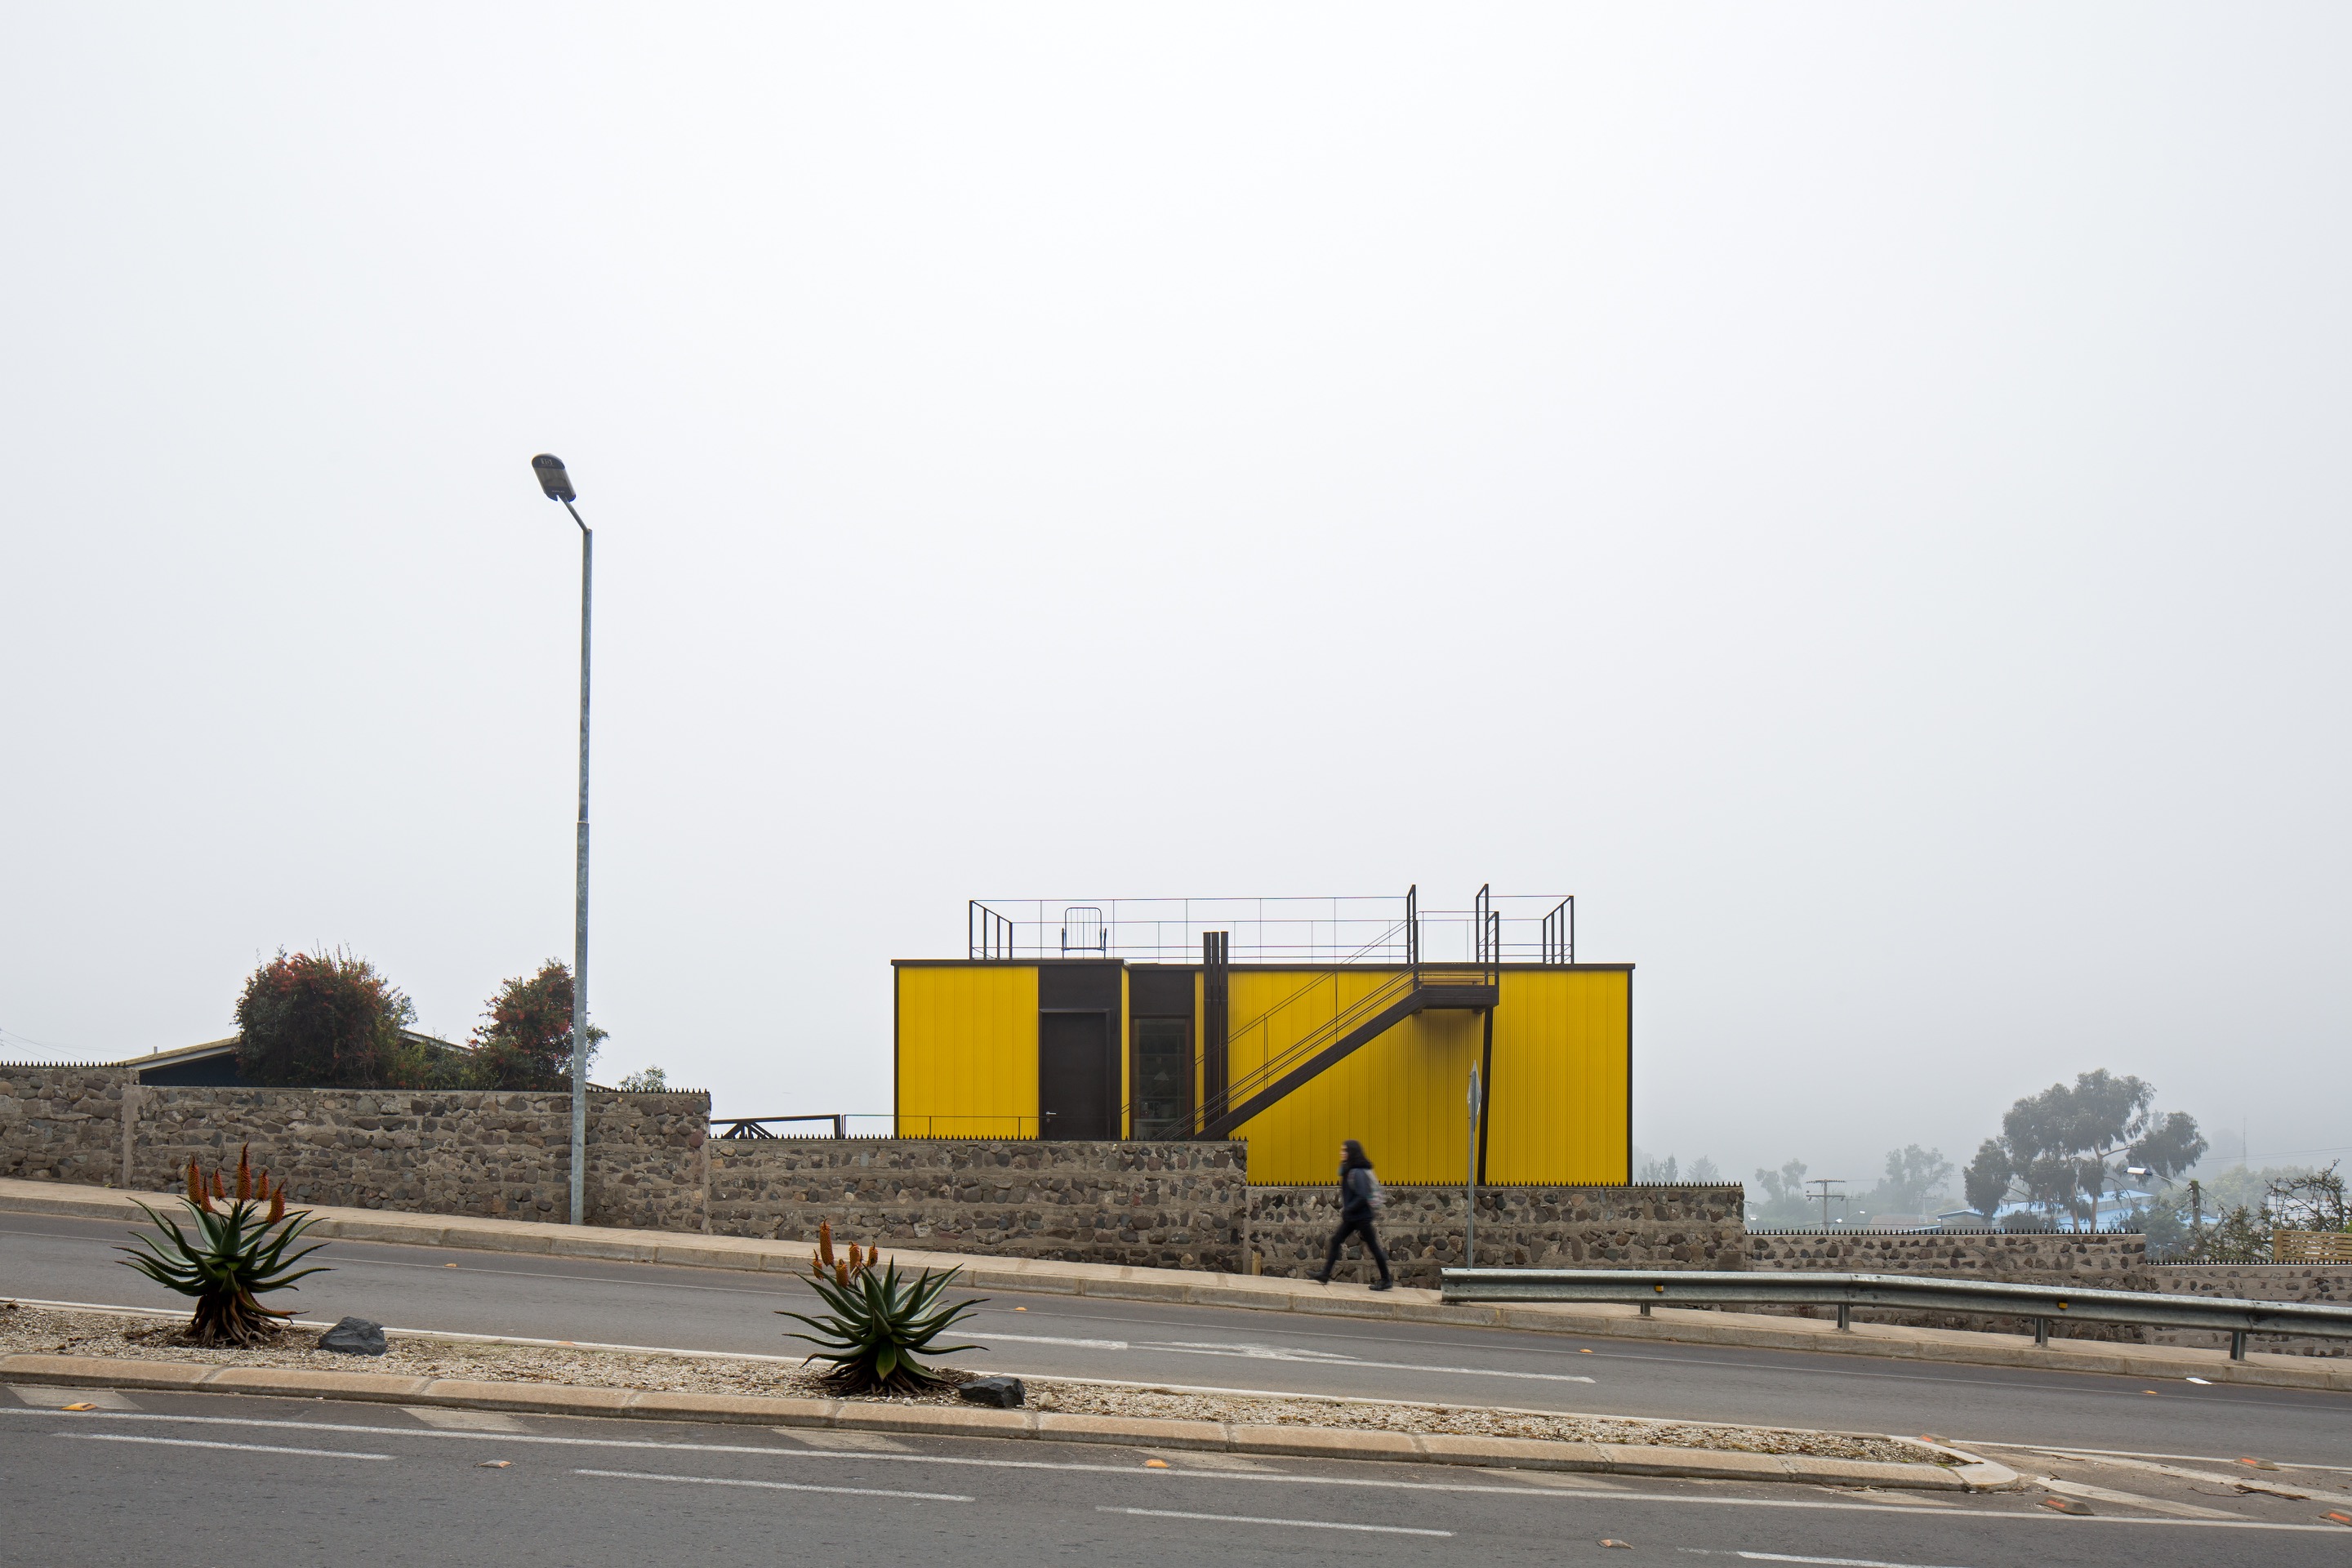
pixel 458 1152
pixel 2107 1260
pixel 1164 1205
pixel 494 1154
pixel 1645 1227
pixel 62 1123
pixel 2330 1282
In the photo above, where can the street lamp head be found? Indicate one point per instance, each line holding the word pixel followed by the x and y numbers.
pixel 552 478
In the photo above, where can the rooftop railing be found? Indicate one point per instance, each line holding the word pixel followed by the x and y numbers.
pixel 1326 929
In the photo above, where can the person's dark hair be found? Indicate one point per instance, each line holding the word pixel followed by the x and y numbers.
pixel 1354 1154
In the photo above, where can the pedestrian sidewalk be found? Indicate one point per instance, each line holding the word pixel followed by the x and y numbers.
pixel 1044 1277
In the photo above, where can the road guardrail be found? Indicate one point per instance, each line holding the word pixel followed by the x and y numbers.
pixel 2045 1304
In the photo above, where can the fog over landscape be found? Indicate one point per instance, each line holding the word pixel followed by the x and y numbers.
pixel 1855 495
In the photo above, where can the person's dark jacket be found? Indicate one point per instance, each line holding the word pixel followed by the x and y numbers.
pixel 1356 1192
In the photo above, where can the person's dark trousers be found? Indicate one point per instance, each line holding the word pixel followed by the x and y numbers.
pixel 1362 1228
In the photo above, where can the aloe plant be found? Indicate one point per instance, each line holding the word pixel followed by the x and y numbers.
pixel 880 1321
pixel 237 1252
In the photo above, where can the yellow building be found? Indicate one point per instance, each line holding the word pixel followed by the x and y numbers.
pixel 1347 1017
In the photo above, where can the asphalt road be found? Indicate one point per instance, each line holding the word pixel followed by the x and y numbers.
pixel 220 1479
pixel 57 1259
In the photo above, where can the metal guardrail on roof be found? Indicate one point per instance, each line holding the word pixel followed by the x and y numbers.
pixel 2045 1304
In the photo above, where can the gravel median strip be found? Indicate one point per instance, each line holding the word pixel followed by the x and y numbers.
pixel 38 1330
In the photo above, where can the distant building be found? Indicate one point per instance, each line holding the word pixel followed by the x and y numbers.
pixel 1287 1022
pixel 213 1064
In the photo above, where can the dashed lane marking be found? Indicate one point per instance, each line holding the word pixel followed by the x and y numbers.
pixel 1295 1523
pixel 195 1443
pixel 771 1486
pixel 1785 1557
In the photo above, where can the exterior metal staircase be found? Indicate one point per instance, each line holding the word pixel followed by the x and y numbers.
pixel 1417 988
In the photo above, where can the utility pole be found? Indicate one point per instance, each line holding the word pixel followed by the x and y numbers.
pixel 558 486
pixel 1825 1184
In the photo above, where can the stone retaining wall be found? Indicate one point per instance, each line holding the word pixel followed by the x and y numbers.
pixel 1164 1205
pixel 488 1153
pixel 2107 1261
pixel 62 1123
pixel 473 1151
pixel 1646 1226
pixel 2330 1282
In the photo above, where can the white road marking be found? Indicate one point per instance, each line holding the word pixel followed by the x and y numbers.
pixel 464 1420
pixel 1784 1557
pixel 2244 1478
pixel 1298 1523
pixel 1201 1460
pixel 1331 1358
pixel 49 1398
pixel 1050 1340
pixel 1565 1480
pixel 852 1442
pixel 1273 1352
pixel 2135 1454
pixel 194 1442
pixel 771 1486
pixel 2133 1500
pixel 1378 1484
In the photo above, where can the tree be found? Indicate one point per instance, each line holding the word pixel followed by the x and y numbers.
pixel 524 1040
pixel 324 1021
pixel 1913 1177
pixel 1784 1195
pixel 2065 1149
pixel 652 1080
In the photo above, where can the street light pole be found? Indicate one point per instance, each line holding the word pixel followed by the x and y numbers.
pixel 558 486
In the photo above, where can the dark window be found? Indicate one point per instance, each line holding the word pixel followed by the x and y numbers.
pixel 1163 1078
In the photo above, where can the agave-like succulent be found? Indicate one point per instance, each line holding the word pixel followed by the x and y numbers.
pixel 880 1320
pixel 238 1252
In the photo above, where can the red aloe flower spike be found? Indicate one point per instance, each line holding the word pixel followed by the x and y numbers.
pixel 220 1188
pixel 276 1203
pixel 245 1173
pixel 824 1242
pixel 195 1183
pixel 841 1273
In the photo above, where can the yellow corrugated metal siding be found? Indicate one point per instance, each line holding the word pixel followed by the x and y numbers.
pixel 1401 1096
pixel 967 1050
pixel 1557 1108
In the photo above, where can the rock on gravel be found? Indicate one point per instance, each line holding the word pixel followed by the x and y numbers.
pixel 1003 1393
pixel 354 1336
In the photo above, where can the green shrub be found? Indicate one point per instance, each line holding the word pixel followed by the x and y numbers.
pixel 237 1254
pixel 325 1021
pixel 524 1040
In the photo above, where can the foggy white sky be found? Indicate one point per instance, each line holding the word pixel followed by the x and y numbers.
pixel 1856 494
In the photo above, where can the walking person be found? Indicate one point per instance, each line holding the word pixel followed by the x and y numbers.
pixel 1359 1200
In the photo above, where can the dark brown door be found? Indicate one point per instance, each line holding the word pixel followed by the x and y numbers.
pixel 1074 1076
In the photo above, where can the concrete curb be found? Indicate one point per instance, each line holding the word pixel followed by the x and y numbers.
pixel 1967 1472
pixel 1044 1277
